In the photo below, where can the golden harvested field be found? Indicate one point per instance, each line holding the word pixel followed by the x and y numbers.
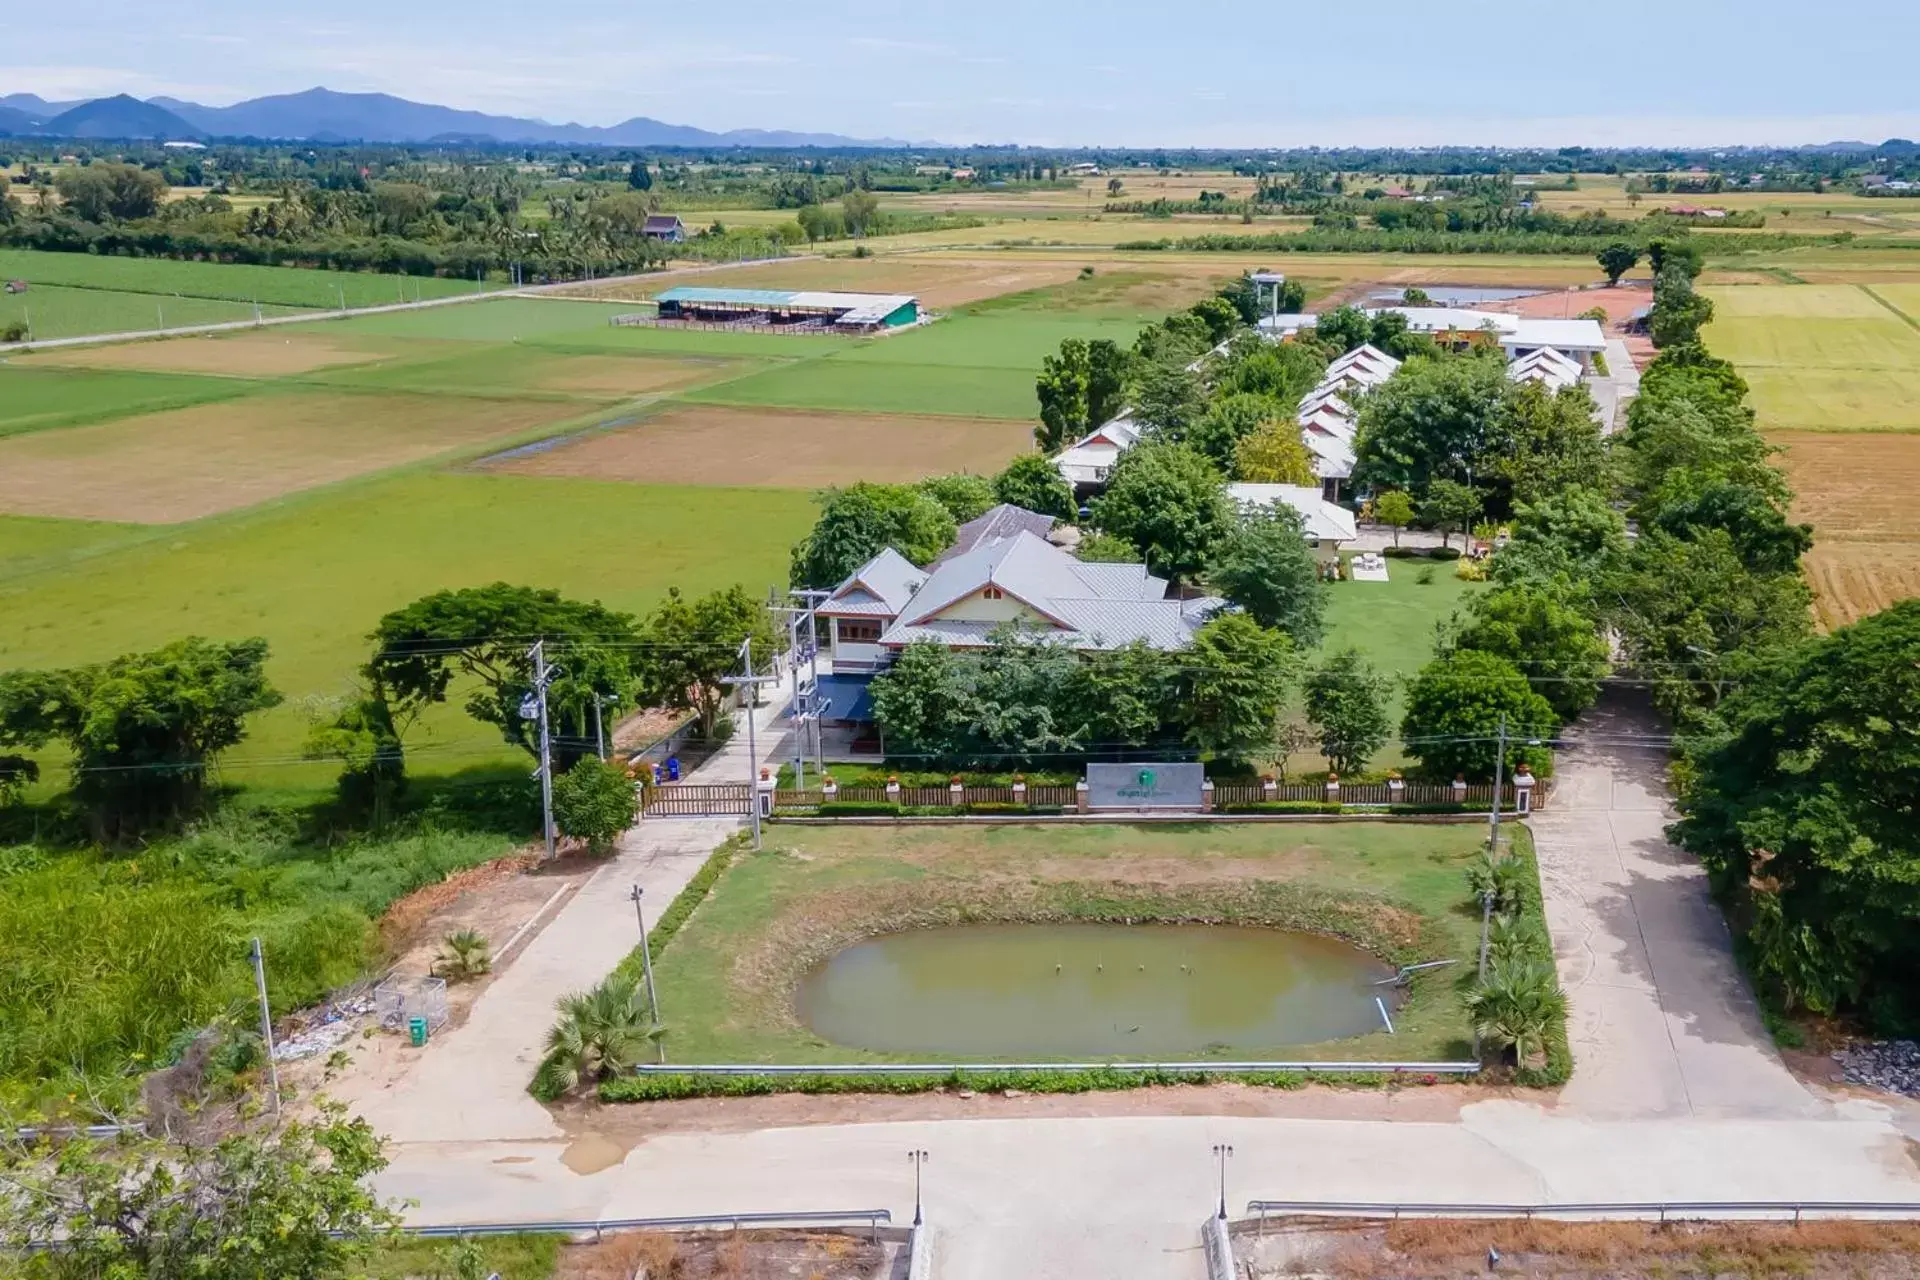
pixel 1857 490
pixel 268 353
pixel 164 468
pixel 778 448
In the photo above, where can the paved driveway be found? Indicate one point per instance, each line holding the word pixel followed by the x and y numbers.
pixel 1661 1020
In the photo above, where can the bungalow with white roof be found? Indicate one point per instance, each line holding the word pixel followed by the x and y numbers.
pixel 1325 524
pixel 1581 339
pixel 1088 461
pixel 1547 367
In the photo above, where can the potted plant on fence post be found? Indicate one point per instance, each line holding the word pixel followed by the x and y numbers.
pixel 893 788
pixel 1019 788
pixel 1396 786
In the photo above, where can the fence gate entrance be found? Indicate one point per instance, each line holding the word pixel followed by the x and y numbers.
pixel 684 800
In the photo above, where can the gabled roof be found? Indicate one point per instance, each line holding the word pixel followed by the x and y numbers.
pixel 1326 397
pixel 661 222
pixel 1546 366
pixel 997 523
pixel 880 588
pixel 1027 568
pixel 1333 458
pixel 1326 422
pixel 1364 354
pixel 1322 520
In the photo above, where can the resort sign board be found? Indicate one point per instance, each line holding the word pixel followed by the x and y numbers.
pixel 1144 786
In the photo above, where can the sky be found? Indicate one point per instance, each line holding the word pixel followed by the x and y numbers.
pixel 1255 73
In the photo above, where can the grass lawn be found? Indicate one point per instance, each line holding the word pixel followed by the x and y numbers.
pixel 833 383
pixel 286 286
pixel 1393 622
pixel 515 1257
pixel 727 980
pixel 50 311
pixel 495 320
pixel 29 542
pixel 313 574
pixel 35 398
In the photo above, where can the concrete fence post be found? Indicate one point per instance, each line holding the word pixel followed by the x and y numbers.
pixel 1080 803
pixel 829 789
pixel 1269 790
pixel 1459 789
pixel 1523 782
pixel 1206 796
pixel 893 791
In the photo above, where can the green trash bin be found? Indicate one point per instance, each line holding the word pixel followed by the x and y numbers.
pixel 417 1030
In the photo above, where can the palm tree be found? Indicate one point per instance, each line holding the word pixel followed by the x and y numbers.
pixel 463 954
pixel 1516 1005
pixel 600 1033
pixel 1500 878
pixel 1511 938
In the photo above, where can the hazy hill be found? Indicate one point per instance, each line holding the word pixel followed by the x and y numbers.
pixel 121 116
pixel 13 120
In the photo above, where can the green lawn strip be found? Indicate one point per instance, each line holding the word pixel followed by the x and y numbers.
pixel 1013 340
pixel 1393 624
pixel 241 282
pixel 315 571
pixel 726 982
pixel 950 390
pixel 40 398
pixel 1559 1066
pixel 526 370
pixel 31 543
pixel 534 1256
pixel 52 311
pixel 491 320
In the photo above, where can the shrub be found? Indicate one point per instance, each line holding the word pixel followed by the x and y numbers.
pixel 600 1033
pixel 596 802
pixel 464 954
pixel 1502 879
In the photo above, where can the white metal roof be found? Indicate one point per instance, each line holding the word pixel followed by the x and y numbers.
pixel 1566 335
pixel 879 588
pixel 1323 521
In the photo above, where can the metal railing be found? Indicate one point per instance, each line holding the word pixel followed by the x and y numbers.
pixel 976 1068
pixel 872 1218
pixel 1656 1210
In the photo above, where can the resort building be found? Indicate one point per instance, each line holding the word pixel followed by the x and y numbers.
pixel 788 310
pixel 1325 524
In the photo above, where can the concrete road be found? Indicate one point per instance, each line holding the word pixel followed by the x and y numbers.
pixel 1661 1020
pixel 1122 1198
pixel 471 1082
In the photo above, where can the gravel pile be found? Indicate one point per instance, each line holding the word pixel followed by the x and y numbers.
pixel 1893 1065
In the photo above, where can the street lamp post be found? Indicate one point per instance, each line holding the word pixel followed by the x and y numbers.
pixel 1221 1154
pixel 919 1158
pixel 646 967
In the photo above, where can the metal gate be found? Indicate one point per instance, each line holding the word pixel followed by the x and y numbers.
pixel 685 800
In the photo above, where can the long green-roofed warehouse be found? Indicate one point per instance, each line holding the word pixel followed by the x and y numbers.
pixel 790 309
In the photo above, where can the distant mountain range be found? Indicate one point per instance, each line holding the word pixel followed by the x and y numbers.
pixel 321 115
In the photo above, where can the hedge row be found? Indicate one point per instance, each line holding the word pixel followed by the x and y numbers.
pixel 663 1087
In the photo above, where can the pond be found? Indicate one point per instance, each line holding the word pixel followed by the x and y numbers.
pixel 1453 295
pixel 1049 991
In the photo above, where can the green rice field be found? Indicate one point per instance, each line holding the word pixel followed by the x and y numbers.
pixel 51 312
pixel 284 286
pixel 35 398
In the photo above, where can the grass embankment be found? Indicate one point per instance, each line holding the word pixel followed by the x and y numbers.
pixel 1397 890
pixel 108 961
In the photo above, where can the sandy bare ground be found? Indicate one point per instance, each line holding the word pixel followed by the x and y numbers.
pixel 780 448
pixel 267 354
pixel 182 464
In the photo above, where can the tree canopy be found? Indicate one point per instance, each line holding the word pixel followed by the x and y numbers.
pixel 860 521
pixel 1170 502
pixel 1238 677
pixel 1263 564
pixel 690 646
pixel 1032 481
pixel 1543 630
pixel 1346 700
pixel 1429 421
pixel 1804 805
pixel 1454 710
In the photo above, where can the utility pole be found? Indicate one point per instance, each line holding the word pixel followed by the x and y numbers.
pixel 542 677
pixel 751 682
pixel 1221 1154
pixel 599 732
pixel 266 1018
pixel 813 600
pixel 646 966
pixel 1499 762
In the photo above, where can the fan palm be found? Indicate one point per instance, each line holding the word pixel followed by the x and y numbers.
pixel 1511 938
pixel 1500 878
pixel 1517 1004
pixel 463 954
pixel 600 1033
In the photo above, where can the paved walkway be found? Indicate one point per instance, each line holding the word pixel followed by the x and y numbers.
pixel 1661 1020
pixel 471 1082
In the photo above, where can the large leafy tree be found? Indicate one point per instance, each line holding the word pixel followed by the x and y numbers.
pixel 1540 442
pixel 1168 397
pixel 484 636
pixel 1574 535
pixel 1346 701
pixel 1545 630
pixel 1062 390
pixel 1263 564
pixel 923 701
pixel 1454 710
pixel 1032 481
pixel 1617 259
pixel 688 647
pixel 1805 808
pixel 1255 366
pixel 966 497
pixel 1237 677
pixel 860 521
pixel 1431 420
pixel 1273 454
pixel 1170 502
pixel 1230 419
pixel 143 729
pixel 594 801
pixel 1693 620
pixel 1122 696
pixel 1679 310
pixel 1767 542
pixel 295 1202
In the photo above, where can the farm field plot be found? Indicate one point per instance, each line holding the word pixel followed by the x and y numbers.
pixel 264 353
pixel 459 368
pixel 939 389
pixel 183 464
pixel 493 320
pixel 313 575
pixel 1000 339
pixel 939 284
pixel 1858 493
pixel 714 445
pixel 51 312
pixel 1809 399
pixel 284 286
pixel 34 398
pixel 735 968
pixel 1863 342
pixel 29 542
